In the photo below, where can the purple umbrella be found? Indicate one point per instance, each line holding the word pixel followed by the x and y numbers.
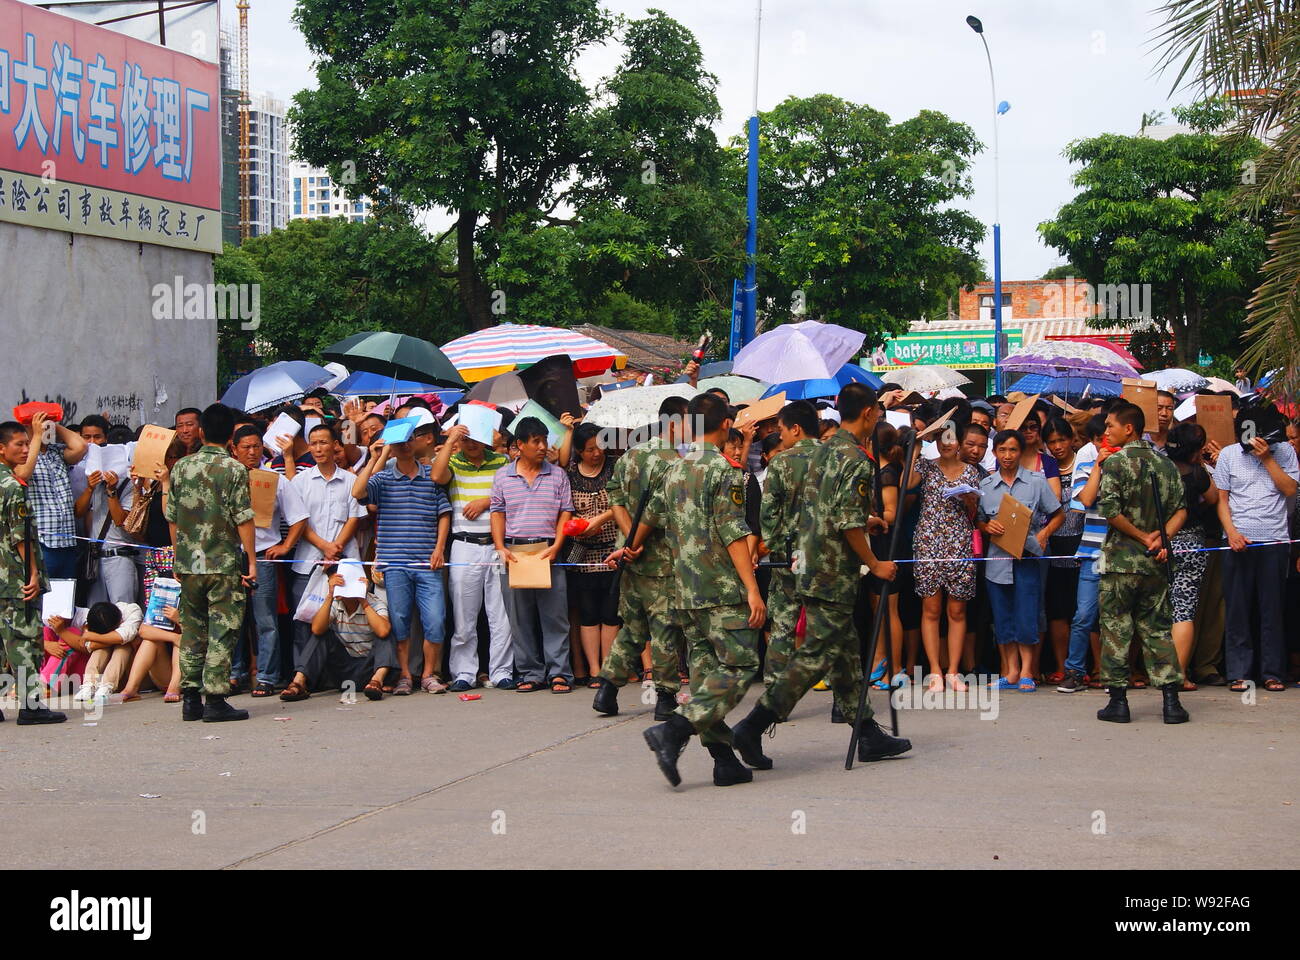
pixel 1068 358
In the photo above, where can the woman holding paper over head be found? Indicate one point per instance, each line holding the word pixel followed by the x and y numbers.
pixel 949 499
pixel 1014 573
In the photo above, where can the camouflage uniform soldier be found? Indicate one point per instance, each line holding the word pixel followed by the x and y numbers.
pixel 1134 595
pixel 782 499
pixel 832 543
pixel 22 581
pixel 645 586
pixel 701 507
pixel 213 513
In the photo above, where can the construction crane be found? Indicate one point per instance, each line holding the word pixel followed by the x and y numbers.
pixel 245 171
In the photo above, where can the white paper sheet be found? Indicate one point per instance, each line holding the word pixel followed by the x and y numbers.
pixel 482 421
pixel 282 426
pixel 354 580
pixel 60 601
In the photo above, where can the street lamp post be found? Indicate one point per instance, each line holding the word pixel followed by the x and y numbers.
pixel 978 27
pixel 749 291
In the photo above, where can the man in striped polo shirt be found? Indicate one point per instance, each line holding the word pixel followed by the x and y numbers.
pixel 466 468
pixel 1085 488
pixel 411 542
pixel 531 501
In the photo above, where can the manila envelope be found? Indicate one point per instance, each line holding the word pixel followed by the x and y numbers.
pixel 943 420
pixel 1023 409
pixel 1143 394
pixel 1215 415
pixel 151 450
pixel 262 486
pixel 530 572
pixel 760 410
pixel 1014 517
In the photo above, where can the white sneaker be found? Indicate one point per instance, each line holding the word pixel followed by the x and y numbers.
pixel 86 692
pixel 104 691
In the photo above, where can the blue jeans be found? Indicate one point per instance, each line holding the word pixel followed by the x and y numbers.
pixel 1085 617
pixel 409 586
pixel 264 605
pixel 1015 605
pixel 60 562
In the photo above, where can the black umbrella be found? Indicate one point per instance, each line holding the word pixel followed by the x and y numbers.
pixel 396 355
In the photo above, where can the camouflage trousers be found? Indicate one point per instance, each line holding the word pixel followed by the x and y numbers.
pixel 783 606
pixel 829 650
pixel 1135 606
pixel 643 606
pixel 722 650
pixel 212 615
pixel 20 628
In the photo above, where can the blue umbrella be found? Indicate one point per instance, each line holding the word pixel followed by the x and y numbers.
pixel 275 384
pixel 824 387
pixel 366 384
pixel 1067 386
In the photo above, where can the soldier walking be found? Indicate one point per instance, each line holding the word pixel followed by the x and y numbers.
pixel 1134 594
pixel 832 546
pixel 211 514
pixel 701 508
pixel 22 581
pixel 643 603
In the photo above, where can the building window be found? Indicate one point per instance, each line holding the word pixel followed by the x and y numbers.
pixel 986 307
pixel 325 181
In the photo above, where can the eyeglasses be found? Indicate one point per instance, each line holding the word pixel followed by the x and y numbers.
pixel 1030 425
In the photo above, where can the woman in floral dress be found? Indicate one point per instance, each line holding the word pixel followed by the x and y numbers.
pixel 944 533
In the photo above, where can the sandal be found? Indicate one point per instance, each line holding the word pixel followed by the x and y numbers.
pixel 1188 686
pixel 527 686
pixel 171 698
pixel 1274 685
pixel 1140 683
pixel 593 683
pixel 294 692
pixel 373 690
pixel 560 685
pixel 647 676
pixel 129 697
pixel 263 689
pixel 433 684
pixel 1238 686
pixel 404 687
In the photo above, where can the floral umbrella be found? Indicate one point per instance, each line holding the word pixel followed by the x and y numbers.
pixel 1067 358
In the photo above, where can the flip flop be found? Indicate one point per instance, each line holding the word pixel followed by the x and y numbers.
pixel 1027 685
pixel 1003 683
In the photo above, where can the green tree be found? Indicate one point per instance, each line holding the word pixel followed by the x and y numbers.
pixel 1248 50
pixel 236 347
pixel 1160 213
pixel 325 279
pixel 855 222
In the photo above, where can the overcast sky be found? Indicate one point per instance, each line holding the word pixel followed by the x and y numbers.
pixel 1069 69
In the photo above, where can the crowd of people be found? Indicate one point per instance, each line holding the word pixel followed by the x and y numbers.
pixel 384 569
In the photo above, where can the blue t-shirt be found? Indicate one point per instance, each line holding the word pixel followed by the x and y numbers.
pixel 409 508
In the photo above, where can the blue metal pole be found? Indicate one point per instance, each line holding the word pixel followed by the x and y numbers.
pixel 997 307
pixel 750 292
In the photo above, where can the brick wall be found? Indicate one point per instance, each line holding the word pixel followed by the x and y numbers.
pixel 1031 299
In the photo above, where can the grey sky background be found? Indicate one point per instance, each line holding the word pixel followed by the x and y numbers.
pixel 1069 68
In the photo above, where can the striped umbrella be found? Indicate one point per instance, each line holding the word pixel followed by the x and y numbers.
pixel 500 349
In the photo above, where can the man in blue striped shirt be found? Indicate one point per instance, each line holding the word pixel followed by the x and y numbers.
pixel 410 548
pixel 1084 490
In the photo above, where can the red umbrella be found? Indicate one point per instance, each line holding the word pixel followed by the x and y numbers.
pixel 1127 357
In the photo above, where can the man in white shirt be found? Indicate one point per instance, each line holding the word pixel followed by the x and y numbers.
pixel 290 516
pixel 332 518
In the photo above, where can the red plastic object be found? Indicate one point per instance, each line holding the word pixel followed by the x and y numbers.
pixel 24 412
pixel 471 696
pixel 575 526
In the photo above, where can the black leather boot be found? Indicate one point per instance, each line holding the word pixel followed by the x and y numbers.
pixel 748 737
pixel 875 744
pixel 837 716
pixel 191 705
pixel 727 770
pixel 216 710
pixel 1173 710
pixel 667 741
pixel 1117 710
pixel 665 704
pixel 606 700
pixel 38 712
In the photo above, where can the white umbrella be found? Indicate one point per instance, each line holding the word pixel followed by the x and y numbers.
pixel 1176 380
pixel 926 378
pixel 634 407
pixel 798 351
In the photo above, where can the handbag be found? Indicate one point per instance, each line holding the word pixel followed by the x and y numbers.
pixel 138 518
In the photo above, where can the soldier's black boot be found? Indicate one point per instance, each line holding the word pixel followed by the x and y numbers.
pixel 36 712
pixel 606 699
pixel 1117 710
pixel 191 705
pixel 667 741
pixel 665 703
pixel 216 710
pixel 875 744
pixel 727 770
pixel 1173 710
pixel 748 736
pixel 837 716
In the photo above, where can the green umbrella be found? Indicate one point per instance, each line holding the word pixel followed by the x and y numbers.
pixel 395 355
